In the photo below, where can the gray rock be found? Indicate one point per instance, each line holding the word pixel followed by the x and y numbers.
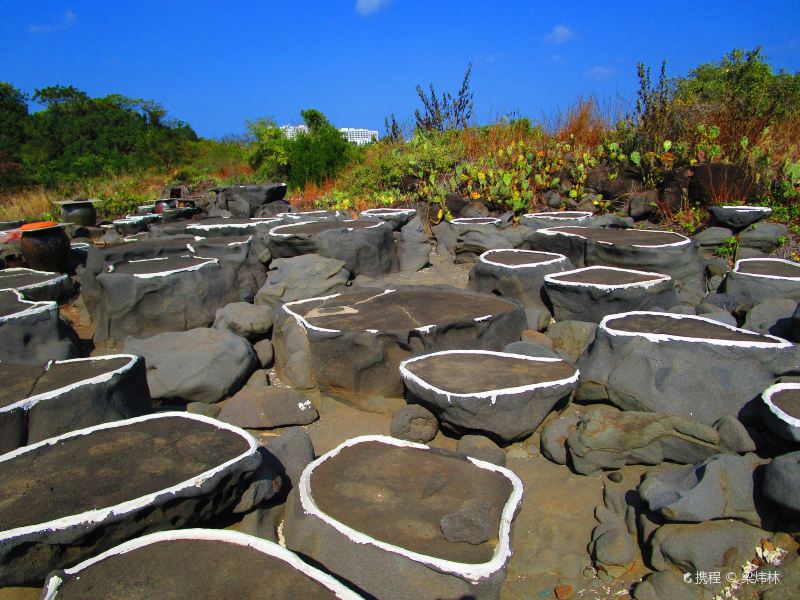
pixel 553 199
pixel 523 283
pixel 683 309
pixel 669 585
pixel 571 338
pixel 764 237
pixel 772 315
pixel 267 408
pixel 538 319
pixel 246 200
pixel 753 288
pixel 703 378
pixel 202 408
pixel 721 301
pixel 249 321
pixel 264 352
pixel 737 217
pixel 473 210
pixel 199 365
pixel 482 448
pixel 445 238
pixel 555 435
pixel 712 546
pixel 292 352
pixel 709 240
pixel 734 435
pixel 720 316
pixel 643 205
pixel 610 440
pixel 472 240
pixel 288 454
pixel 471 523
pixel 414 423
pixel 717 267
pixel 413 248
pixel 720 487
pixel 782 482
pixel 265 484
pixel 300 277
pixel 531 349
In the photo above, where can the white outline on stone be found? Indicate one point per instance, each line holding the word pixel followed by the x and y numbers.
pixel 663 337
pixel 53 281
pixel 472 572
pixel 200 265
pixel 27 403
pixel 656 278
pixel 552 231
pixel 274 231
pixel 576 215
pixel 764 275
pixel 388 212
pixel 476 221
pixel 767 395
pixel 254 222
pixel 491 394
pixel 764 209
pixel 98 515
pixel 214 535
pixel 35 308
pixel 560 258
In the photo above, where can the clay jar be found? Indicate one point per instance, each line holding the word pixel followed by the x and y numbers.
pixel 45 247
pixel 79 212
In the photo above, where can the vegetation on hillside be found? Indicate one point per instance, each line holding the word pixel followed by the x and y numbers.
pixel 736 112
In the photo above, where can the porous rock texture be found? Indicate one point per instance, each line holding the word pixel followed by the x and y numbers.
pixel 301 277
pixel 33 332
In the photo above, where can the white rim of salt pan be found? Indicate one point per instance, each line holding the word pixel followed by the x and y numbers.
pixel 492 395
pixel 655 279
pixel 663 337
pixel 532 265
pixel 294 216
pixel 99 514
pixel 765 276
pixel 388 212
pixel 475 221
pixel 774 409
pixel 56 280
pixel 553 231
pixel 27 403
pixel 255 222
pixel 575 215
pixel 200 265
pixel 35 307
pixel 338 225
pixel 214 535
pixel 470 571
pixel 765 209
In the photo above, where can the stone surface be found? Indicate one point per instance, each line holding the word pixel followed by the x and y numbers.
pixel 65 501
pixel 412 247
pixel 555 435
pixel 42 401
pixel 781 411
pixel 681 365
pixel 199 365
pixel 246 320
pixel 773 315
pixel 350 345
pixel 482 448
pixel 264 352
pixel 247 200
pixel 38 286
pixel 365 247
pixel 260 407
pixel 533 349
pixel 737 217
pixel 591 293
pixel 517 274
pixel 782 482
pixel 764 237
pixel 471 523
pixel 710 239
pixel 720 487
pixel 300 277
pixel 610 440
pixel 33 332
pixel 503 396
pixel 362 481
pixel 571 338
pixel 414 423
pixel 712 546
pixel 644 205
pixel 759 279
pixel 734 435
pixel 646 250
pixel 669 585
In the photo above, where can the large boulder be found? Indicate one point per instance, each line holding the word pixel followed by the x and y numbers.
pixel 71 497
pixel 562 218
pixel 782 483
pixel 517 274
pixel 301 277
pixel 737 217
pixel 244 201
pixel 501 395
pixel 761 239
pixel 250 321
pixel 782 410
pixel 33 332
pixel 366 247
pixel 199 365
pixel 412 246
pixel 592 293
pixel 38 286
pixel 351 344
pixel 267 407
pixel 755 280
pixel 39 402
pixel 443 533
pixel 682 365
pixel 606 439
pixel 476 235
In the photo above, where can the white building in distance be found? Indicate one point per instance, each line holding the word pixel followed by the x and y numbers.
pixel 360 137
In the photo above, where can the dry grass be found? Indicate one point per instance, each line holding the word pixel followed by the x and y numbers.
pixel 304 199
pixel 583 123
pixel 30 204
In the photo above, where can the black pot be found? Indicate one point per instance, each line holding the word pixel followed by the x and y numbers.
pixel 46 249
pixel 79 213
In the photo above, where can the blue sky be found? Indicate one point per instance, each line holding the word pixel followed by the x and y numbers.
pixel 218 64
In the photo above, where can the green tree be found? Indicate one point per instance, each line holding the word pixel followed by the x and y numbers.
pixel 319 154
pixel 269 153
pixel 13 115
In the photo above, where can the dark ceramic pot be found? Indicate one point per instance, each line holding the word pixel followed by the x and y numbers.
pixel 79 213
pixel 45 247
